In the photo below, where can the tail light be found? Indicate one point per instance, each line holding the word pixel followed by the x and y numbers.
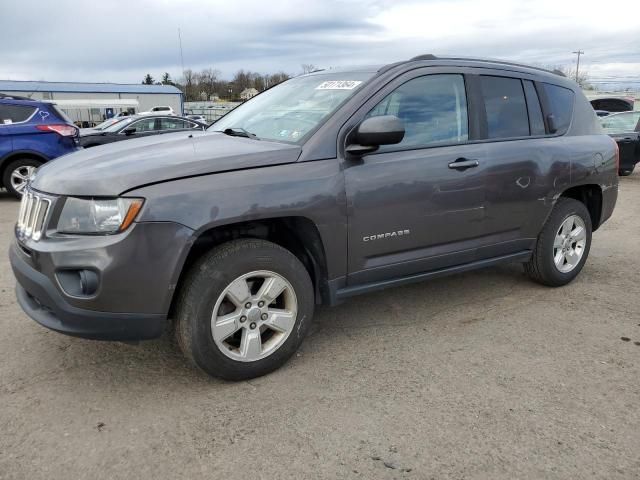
pixel 61 129
pixel 617 155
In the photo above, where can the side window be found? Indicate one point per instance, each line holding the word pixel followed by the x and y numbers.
pixel 15 113
pixel 173 124
pixel 506 107
pixel 146 125
pixel 433 109
pixel 536 121
pixel 561 105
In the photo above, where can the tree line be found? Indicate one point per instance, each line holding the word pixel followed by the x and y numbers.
pixel 207 84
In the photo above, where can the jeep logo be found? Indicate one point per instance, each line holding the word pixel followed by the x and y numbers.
pixel 380 236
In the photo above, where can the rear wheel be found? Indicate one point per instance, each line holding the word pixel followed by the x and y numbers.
pixel 244 309
pixel 625 172
pixel 17 174
pixel 563 245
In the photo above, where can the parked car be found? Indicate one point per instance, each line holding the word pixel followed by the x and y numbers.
pixel 329 185
pixel 31 133
pixel 198 118
pixel 613 104
pixel 136 126
pixel 624 128
pixel 163 110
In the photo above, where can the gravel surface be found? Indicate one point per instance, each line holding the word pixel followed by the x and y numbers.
pixel 481 375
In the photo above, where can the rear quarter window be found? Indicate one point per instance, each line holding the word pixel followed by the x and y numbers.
pixel 15 113
pixel 560 105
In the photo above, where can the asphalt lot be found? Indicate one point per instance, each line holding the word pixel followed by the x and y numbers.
pixel 481 375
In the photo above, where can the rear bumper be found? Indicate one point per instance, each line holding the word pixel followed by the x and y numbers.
pixel 42 301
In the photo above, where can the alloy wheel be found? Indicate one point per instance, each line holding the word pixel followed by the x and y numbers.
pixel 254 316
pixel 569 244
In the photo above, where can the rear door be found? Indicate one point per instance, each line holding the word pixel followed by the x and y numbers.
pixel 5 141
pixel 143 128
pixel 410 209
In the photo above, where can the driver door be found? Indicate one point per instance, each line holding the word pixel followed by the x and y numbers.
pixel 410 209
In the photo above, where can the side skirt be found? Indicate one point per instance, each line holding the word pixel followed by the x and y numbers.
pixel 339 294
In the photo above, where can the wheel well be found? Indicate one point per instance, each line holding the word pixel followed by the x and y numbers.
pixel 10 158
pixel 299 235
pixel 591 196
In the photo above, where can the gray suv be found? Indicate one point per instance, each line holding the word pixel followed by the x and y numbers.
pixel 329 185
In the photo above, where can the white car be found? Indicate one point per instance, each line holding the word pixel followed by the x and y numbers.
pixel 161 110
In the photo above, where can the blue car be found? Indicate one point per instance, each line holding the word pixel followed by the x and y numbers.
pixel 31 133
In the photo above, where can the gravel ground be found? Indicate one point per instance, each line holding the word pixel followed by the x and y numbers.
pixel 481 375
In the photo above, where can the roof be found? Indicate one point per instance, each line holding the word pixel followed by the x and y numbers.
pixel 72 87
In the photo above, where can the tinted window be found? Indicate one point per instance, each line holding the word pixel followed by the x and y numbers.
pixel 506 107
pixel 433 109
pixel 146 125
pixel 15 113
pixel 536 122
pixel 174 123
pixel 561 105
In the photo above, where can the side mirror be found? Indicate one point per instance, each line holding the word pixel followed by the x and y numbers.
pixel 129 131
pixel 375 131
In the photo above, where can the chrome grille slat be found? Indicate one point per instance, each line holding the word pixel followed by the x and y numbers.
pixel 32 216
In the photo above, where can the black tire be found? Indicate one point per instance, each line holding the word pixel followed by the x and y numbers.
pixel 206 281
pixel 14 165
pixel 626 172
pixel 541 267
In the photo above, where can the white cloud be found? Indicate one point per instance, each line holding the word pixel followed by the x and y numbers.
pixel 121 40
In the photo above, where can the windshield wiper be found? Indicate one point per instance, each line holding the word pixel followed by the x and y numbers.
pixel 239 132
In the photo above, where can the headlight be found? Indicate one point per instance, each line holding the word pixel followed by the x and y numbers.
pixel 98 216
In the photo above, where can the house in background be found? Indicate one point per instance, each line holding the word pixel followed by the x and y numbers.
pixel 248 93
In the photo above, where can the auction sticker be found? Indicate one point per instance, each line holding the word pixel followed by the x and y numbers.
pixel 339 85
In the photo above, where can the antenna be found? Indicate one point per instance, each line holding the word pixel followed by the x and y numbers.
pixel 181 55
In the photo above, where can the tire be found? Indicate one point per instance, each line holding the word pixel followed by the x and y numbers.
pixel 212 286
pixel 24 167
pixel 626 172
pixel 542 266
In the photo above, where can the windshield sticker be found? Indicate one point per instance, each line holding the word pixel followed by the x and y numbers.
pixel 339 85
pixel 7 121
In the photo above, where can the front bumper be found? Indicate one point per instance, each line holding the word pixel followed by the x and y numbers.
pixel 137 273
pixel 41 300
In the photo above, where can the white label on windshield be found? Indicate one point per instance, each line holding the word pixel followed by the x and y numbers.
pixel 339 85
pixel 7 121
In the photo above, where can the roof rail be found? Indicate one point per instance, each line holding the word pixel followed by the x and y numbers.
pixel 430 56
pixel 13 97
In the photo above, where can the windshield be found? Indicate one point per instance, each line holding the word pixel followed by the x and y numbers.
pixel 107 123
pixel 115 127
pixel 289 111
pixel 621 122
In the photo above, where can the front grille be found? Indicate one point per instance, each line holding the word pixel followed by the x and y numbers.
pixel 32 216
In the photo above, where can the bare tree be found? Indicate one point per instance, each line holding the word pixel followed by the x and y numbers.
pixel 570 72
pixel 308 68
pixel 208 78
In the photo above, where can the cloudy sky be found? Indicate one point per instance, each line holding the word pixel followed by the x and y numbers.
pixel 121 40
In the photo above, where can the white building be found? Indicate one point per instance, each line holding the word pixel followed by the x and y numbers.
pixel 248 93
pixel 96 101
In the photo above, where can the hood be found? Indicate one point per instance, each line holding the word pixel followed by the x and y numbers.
pixel 110 170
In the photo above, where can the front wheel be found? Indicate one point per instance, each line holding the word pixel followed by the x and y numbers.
pixel 563 245
pixel 244 309
pixel 17 174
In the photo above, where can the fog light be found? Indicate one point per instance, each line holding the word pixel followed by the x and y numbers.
pixel 78 283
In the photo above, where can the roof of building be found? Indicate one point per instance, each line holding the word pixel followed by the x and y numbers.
pixel 72 87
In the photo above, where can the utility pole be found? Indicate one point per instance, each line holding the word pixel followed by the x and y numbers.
pixel 579 52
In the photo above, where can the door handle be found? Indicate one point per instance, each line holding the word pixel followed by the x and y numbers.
pixel 464 163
